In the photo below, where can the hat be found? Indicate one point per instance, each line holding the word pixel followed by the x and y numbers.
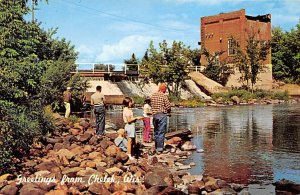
pixel 68 87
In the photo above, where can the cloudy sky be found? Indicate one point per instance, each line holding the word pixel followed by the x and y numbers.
pixel 109 31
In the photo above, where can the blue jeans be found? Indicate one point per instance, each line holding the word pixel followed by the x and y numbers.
pixel 100 119
pixel 160 121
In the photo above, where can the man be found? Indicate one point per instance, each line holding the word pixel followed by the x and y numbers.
pixel 98 102
pixel 160 108
pixel 67 96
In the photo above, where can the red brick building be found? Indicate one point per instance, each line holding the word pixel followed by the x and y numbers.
pixel 217 30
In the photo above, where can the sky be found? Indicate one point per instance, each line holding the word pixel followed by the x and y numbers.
pixel 109 31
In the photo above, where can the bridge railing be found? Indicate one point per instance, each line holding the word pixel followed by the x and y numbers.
pixel 93 70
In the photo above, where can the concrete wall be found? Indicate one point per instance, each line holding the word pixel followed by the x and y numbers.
pixel 264 80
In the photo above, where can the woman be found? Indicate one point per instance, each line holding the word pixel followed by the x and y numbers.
pixel 129 121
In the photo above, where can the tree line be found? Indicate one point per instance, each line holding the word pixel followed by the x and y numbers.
pixel 34 71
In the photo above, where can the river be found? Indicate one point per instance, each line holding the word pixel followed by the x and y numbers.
pixel 252 145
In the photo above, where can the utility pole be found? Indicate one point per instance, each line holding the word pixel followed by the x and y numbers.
pixel 32 9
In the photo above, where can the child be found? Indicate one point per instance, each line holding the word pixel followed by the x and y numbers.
pixel 129 123
pixel 147 114
pixel 121 141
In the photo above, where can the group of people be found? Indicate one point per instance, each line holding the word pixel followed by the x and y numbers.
pixel 157 107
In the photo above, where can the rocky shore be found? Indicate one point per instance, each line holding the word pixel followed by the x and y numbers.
pixel 74 161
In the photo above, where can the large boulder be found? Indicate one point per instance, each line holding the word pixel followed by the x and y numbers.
pixel 188 145
pixel 207 85
pixel 153 179
pixel 30 189
pixel 98 188
pixel 9 190
pixel 112 151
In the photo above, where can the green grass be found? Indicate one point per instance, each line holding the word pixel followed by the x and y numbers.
pixel 247 95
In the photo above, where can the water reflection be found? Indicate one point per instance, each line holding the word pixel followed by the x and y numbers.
pixel 244 144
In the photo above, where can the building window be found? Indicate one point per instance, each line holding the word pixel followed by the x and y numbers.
pixel 231 47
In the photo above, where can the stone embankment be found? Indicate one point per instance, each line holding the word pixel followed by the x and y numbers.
pixel 75 161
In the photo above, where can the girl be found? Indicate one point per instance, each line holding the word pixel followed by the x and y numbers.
pixel 147 114
pixel 129 121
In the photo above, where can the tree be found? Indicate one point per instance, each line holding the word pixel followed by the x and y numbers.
pixel 105 67
pixel 250 60
pixel 286 54
pixel 216 70
pixel 168 64
pixel 132 63
pixel 34 71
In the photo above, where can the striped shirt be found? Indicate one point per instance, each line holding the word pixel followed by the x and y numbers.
pixel 160 103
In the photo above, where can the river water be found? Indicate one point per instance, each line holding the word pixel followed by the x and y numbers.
pixel 253 145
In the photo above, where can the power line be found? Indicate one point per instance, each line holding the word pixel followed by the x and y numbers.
pixel 122 18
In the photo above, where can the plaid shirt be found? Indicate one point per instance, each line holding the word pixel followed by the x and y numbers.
pixel 160 103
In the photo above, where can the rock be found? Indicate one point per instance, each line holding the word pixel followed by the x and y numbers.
pixel 6 177
pixel 104 144
pixel 112 151
pixel 87 173
pixel 188 145
pixel 183 167
pixel 85 137
pixel 114 170
pixel 94 155
pixel 59 146
pixel 220 100
pixel 286 185
pixel 112 136
pixel 57 192
pixel 228 190
pixel 187 179
pixel 122 186
pixel 196 187
pixel 153 179
pixel 77 150
pixel 122 157
pixel 98 188
pixel 236 187
pixel 171 190
pixel 91 164
pixel 93 140
pixel 235 99
pixel 9 190
pixel 71 172
pixel 31 189
pixel 53 140
pixel 210 184
pixel 87 149
pixel 154 190
pixel 49 166
pixel 174 141
pixel 65 152
pixel 74 131
pixel 30 163
pixel 200 150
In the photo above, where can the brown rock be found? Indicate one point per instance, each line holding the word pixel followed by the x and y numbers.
pixel 122 157
pixel 93 140
pixel 53 140
pixel 171 190
pixel 235 99
pixel 119 193
pixel 210 184
pixel 74 131
pixel 77 150
pixel 153 179
pixel 65 152
pixel 174 141
pixel 87 149
pixel 6 177
pixel 9 190
pixel 59 146
pixel 112 151
pixel 98 188
pixel 188 145
pixel 85 137
pixel 57 192
pixel 114 170
pixel 49 166
pixel 94 155
pixel 154 190
pixel 30 189
pixel 91 164
pixel 196 187
pixel 104 144
pixel 71 172
pixel 112 136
